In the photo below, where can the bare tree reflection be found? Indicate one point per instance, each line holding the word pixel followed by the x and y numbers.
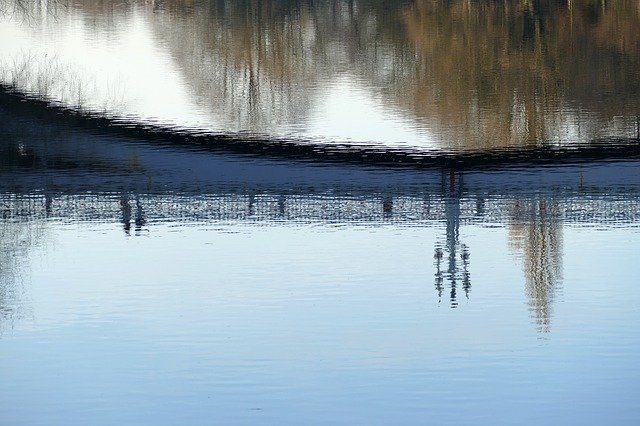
pixel 29 9
pixel 535 233
pixel 500 74
pixel 481 74
pixel 477 75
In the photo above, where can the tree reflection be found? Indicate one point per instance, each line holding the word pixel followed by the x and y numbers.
pixel 498 74
pixel 480 74
pixel 19 233
pixel 466 75
pixel 535 232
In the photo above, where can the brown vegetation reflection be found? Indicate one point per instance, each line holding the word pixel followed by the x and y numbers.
pixel 472 75
pixel 510 73
pixel 479 74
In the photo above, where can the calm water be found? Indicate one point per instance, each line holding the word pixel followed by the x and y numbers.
pixel 154 278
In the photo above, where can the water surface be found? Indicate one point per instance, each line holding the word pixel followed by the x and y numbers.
pixel 192 231
pixel 155 283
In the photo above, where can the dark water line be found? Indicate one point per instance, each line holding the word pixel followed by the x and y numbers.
pixel 307 150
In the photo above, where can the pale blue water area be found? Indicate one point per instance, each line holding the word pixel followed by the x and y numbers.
pixel 276 322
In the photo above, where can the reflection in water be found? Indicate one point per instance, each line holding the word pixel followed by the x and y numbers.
pixel 454 272
pixel 421 73
pixel 125 207
pixel 534 221
pixel 280 284
pixel 536 232
pixel 20 232
pixel 534 226
pixel 499 74
pixel 218 304
pixel 75 174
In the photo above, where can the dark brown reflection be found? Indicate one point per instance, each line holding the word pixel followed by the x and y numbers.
pixel 509 73
pixel 535 234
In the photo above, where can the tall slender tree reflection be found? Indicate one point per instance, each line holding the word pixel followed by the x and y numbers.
pixel 451 252
pixel 535 233
pixel 19 233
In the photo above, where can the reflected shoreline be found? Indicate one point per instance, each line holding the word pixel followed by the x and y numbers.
pixel 310 150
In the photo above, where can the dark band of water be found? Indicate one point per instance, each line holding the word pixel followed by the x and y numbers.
pixel 602 149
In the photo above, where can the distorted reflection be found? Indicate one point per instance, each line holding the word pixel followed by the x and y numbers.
pixel 535 233
pixel 534 225
pixel 19 234
pixel 414 73
pixel 126 210
pixel 457 254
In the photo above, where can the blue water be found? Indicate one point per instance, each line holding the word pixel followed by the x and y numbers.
pixel 276 322
pixel 148 283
